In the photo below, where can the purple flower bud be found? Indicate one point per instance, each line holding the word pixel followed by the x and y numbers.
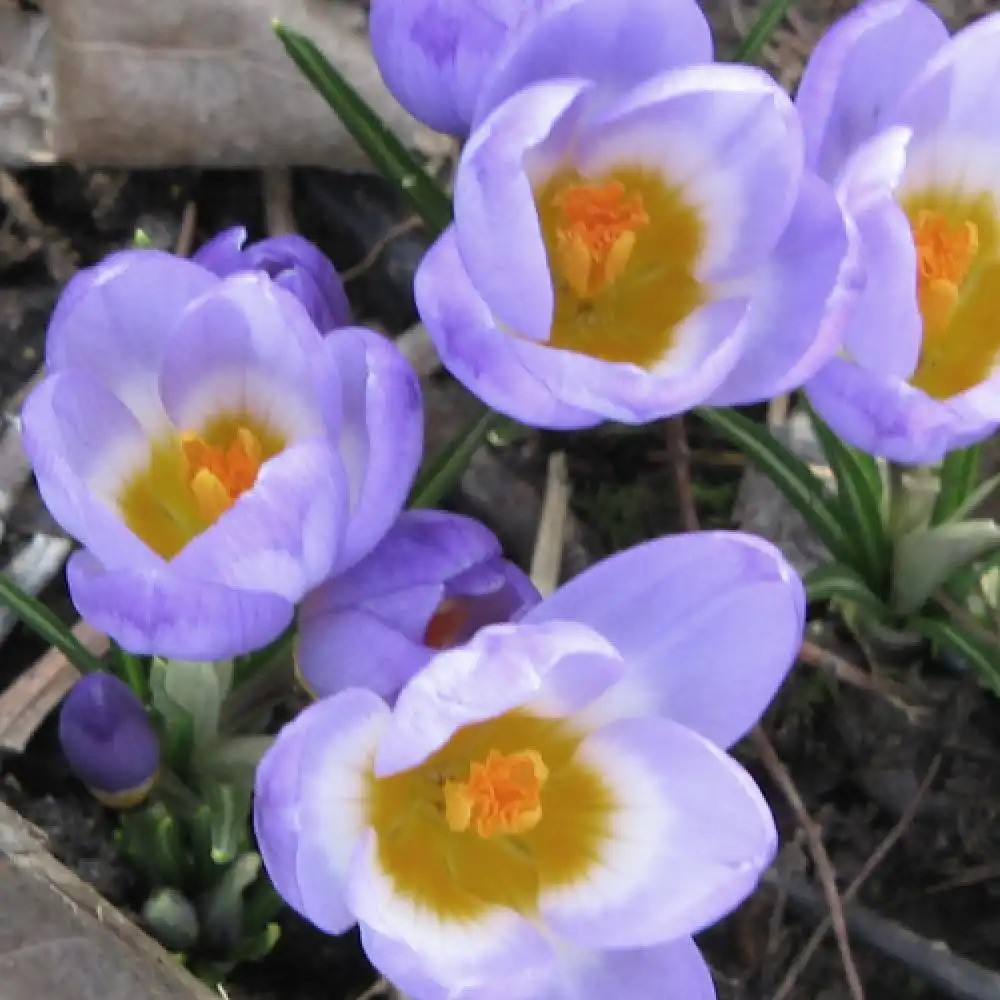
pixel 432 583
pixel 109 741
pixel 290 261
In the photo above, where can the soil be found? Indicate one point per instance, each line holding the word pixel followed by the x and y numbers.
pixel 856 757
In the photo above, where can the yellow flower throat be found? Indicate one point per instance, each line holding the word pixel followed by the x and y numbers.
pixel 192 478
pixel 622 250
pixel 958 291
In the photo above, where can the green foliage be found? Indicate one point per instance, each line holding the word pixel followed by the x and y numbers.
pixel 752 46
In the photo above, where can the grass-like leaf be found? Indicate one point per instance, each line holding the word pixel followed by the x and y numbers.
pixel 836 582
pixel 47 626
pixel 973 649
pixel 789 474
pixel 390 157
pixel 752 46
pixel 445 469
pixel 859 499
pixel 959 477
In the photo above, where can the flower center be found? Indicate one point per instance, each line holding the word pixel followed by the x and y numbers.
pixel 623 251
pixel 958 289
pixel 596 234
pixel 502 795
pixel 463 832
pixel 193 478
pixel 945 253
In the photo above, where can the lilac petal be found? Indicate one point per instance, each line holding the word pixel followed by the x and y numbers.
pixel 381 431
pixel 281 536
pixel 107 737
pixel 355 648
pixel 676 969
pixel 302 268
pixel 554 668
pixel 486 948
pixel 309 803
pixel 497 228
pixel 403 967
pixel 476 351
pixel 159 612
pixel 729 135
pixel 434 54
pixel 246 347
pixel 691 837
pixel 422 547
pixel 813 275
pixel 958 89
pixel 83 443
pixel 707 346
pixel 114 320
pixel 887 417
pixel 223 253
pixel 857 73
pixel 708 625
pixel 617 45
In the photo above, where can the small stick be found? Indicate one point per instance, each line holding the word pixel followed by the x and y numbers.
pixel 824 868
pixel 368 261
pixel 547 558
pixel 26 703
pixel 419 349
pixel 279 218
pixel 680 462
pixel 185 235
pixel 876 858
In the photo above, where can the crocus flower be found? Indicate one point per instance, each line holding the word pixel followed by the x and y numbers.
pixel 906 123
pixel 548 810
pixel 108 740
pixel 292 261
pixel 215 455
pixel 628 245
pixel 431 583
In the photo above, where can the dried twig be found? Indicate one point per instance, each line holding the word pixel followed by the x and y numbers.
pixel 419 349
pixel 185 236
pixel 279 218
pixel 824 868
pixel 680 462
pixel 875 859
pixel 931 960
pixel 392 233
pixel 547 559
pixel 26 703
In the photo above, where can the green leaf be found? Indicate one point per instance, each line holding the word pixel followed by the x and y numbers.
pixel 859 500
pixel 836 582
pixel 978 496
pixel 221 907
pixel 229 807
pixel 438 477
pixel 194 689
pixel 979 654
pixel 172 919
pixel 392 159
pixel 790 475
pixel 234 759
pixel 959 476
pixel 257 946
pixel 752 46
pixel 141 240
pixel 47 626
pixel 927 558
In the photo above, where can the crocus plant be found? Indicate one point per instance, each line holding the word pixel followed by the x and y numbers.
pixel 516 796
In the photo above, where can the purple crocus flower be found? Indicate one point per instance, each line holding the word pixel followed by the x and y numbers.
pixel 629 245
pixel 215 455
pixel 292 261
pixel 906 123
pixel 430 584
pixel 548 811
pixel 108 740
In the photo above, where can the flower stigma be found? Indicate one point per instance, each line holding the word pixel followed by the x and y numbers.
pixel 502 795
pixel 193 477
pixel 623 250
pixel 447 624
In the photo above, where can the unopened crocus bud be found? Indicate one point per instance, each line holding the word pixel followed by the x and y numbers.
pixel 109 741
pixel 432 583
pixel 289 260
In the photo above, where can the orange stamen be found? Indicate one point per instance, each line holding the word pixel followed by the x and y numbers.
pixel 502 795
pixel 446 625
pixel 597 234
pixel 945 255
pixel 218 477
